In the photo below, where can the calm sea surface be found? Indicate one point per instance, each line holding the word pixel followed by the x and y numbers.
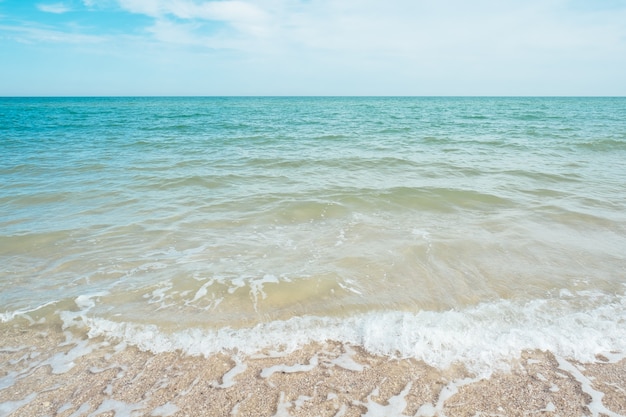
pixel 435 228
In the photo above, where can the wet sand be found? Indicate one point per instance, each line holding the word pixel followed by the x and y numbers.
pixel 50 373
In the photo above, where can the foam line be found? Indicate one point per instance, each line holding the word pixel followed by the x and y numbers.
pixel 228 380
pixel 282 409
pixel 596 406
pixel 11 315
pixel 395 405
pixel 119 408
pixel 63 362
pixel 268 372
pixel 82 410
pixel 346 361
pixel 484 337
pixel 166 410
pixel 7 408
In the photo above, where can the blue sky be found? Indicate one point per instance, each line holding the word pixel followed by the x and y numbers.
pixel 313 47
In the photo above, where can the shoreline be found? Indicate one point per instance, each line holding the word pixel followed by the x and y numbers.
pixel 62 374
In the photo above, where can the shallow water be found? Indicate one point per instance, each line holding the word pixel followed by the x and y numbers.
pixel 427 228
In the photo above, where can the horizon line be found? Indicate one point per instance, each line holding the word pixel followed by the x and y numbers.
pixel 307 96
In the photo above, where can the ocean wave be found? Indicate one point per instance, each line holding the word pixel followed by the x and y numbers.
pixel 603 145
pixel 578 326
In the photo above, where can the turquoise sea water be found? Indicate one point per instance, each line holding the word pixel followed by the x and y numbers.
pixel 397 224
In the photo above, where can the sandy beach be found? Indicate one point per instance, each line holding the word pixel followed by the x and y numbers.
pixel 57 374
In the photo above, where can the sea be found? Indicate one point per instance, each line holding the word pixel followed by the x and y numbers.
pixel 449 231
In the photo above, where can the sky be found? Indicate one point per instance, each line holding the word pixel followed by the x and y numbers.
pixel 313 47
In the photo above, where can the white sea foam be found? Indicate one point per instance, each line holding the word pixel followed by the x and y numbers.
pixel 165 410
pixel 62 362
pixel 346 361
pixel 482 337
pixel 394 407
pixel 119 408
pixel 228 380
pixel 64 407
pixel 87 301
pixel 431 410
pixel 8 380
pixel 24 312
pixel 256 287
pixel 7 408
pixel 288 369
pixel 82 410
pixel 595 406
pixel 283 407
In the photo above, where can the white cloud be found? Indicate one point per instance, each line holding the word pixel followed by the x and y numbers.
pixel 397 27
pixel 233 11
pixel 177 33
pixel 403 41
pixel 369 46
pixel 148 7
pixel 56 8
pixel 224 10
pixel 423 34
pixel 28 34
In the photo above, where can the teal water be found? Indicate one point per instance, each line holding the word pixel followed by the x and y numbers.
pixel 385 222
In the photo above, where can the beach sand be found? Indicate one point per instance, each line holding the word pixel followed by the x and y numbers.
pixel 49 372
